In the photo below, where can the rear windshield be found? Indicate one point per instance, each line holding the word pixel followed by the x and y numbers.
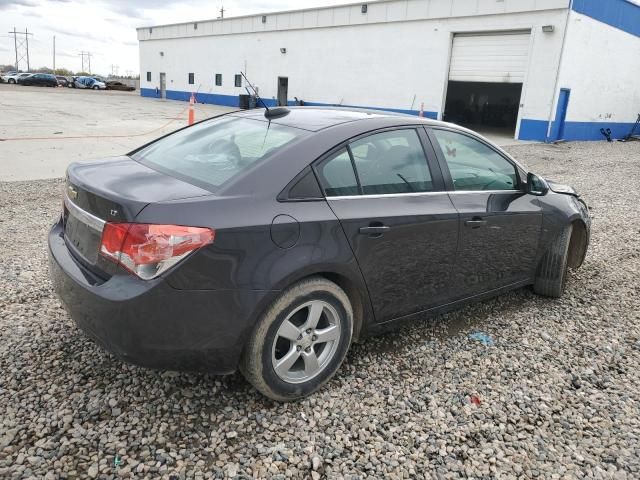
pixel 213 152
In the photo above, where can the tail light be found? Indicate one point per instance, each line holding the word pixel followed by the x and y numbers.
pixel 148 250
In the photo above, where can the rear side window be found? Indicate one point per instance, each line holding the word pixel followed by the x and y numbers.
pixel 337 176
pixel 211 153
pixel 391 162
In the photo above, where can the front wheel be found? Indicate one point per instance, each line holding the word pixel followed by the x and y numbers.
pixel 11 80
pixel 96 87
pixel 300 341
pixel 551 276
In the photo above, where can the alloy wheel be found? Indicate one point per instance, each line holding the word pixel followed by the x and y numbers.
pixel 306 341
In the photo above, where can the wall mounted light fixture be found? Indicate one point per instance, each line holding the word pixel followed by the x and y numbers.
pixel 547 28
pixel 283 50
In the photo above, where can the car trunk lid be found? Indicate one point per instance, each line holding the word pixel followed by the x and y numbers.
pixel 114 190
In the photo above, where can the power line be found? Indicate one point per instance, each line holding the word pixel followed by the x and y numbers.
pixel 21 47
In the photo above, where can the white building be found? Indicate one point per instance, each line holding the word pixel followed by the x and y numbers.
pixel 539 69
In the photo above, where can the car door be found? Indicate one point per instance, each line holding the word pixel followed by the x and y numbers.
pixel 500 224
pixel 400 223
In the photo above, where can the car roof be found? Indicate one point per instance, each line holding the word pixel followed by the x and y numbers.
pixel 314 118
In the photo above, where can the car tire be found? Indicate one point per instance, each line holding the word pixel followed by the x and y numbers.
pixel 551 276
pixel 284 367
pixel 11 81
pixel 96 87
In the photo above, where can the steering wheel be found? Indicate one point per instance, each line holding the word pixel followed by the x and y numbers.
pixel 228 148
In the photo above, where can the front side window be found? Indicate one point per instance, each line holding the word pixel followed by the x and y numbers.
pixel 391 162
pixel 211 153
pixel 337 176
pixel 473 165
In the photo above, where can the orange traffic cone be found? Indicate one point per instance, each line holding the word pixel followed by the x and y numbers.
pixel 192 115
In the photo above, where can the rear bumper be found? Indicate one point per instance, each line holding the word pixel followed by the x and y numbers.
pixel 151 324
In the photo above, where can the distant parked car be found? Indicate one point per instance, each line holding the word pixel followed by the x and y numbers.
pixel 16 77
pixel 62 80
pixel 89 82
pixel 113 85
pixel 39 80
pixel 3 75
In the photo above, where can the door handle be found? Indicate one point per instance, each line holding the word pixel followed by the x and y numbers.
pixel 374 229
pixel 475 222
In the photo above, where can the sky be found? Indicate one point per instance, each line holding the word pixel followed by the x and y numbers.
pixel 107 28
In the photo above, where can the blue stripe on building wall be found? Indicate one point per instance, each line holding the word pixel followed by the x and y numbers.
pixel 537 130
pixel 621 14
pixel 591 130
pixel 533 130
pixel 234 101
pixel 529 129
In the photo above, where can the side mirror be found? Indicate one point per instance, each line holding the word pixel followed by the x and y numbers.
pixel 536 185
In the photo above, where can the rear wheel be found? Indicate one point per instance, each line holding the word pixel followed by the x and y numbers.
pixel 300 341
pixel 551 276
pixel 95 87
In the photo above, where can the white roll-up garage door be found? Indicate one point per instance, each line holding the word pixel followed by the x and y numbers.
pixel 492 57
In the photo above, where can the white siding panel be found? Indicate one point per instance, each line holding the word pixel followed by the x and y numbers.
pixel 500 57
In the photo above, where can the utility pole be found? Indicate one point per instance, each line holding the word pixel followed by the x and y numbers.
pixel 21 46
pixel 15 43
pixel 54 54
pixel 114 70
pixel 26 39
pixel 221 11
pixel 84 54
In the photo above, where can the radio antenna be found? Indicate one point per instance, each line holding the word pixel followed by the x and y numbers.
pixel 255 92
pixel 270 113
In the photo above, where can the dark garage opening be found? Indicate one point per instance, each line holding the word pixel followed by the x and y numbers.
pixel 490 108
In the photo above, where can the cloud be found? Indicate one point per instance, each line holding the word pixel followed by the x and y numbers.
pixel 78 34
pixel 7 4
pixel 136 9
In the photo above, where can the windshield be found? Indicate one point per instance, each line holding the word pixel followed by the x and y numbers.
pixel 211 153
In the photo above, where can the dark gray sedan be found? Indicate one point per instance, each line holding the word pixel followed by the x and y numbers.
pixel 269 241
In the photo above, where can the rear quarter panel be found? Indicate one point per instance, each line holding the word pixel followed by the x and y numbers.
pixel 244 255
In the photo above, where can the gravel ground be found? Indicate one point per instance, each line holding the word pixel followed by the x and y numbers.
pixel 556 395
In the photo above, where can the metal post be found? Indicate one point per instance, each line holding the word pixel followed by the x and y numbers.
pixel 54 54
pixel 26 37
pixel 15 42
